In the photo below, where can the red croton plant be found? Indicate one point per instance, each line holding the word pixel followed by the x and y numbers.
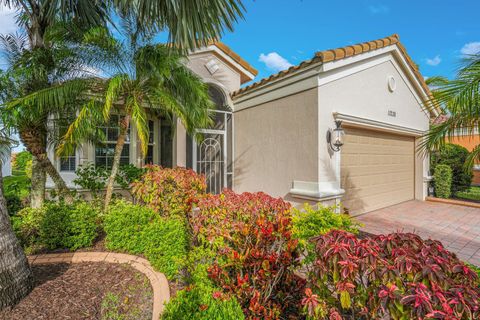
pixel 169 191
pixel 395 276
pixel 256 253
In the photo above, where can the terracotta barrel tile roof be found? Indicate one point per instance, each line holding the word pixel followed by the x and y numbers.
pixel 229 52
pixel 340 53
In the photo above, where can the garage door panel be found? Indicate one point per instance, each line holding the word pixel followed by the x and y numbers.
pixel 377 169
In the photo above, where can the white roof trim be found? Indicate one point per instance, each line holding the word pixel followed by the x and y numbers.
pixel 226 57
pixel 379 125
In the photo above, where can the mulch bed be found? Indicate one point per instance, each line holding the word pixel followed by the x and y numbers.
pixel 85 291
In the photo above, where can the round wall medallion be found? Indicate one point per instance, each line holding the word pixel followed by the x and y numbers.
pixel 392 83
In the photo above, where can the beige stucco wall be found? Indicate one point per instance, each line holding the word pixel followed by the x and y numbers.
pixel 365 94
pixel 303 107
pixel 226 76
pixel 276 143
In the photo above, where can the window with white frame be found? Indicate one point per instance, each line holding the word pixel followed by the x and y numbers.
pixel 68 163
pixel 104 153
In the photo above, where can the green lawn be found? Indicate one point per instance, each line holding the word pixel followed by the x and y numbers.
pixel 472 194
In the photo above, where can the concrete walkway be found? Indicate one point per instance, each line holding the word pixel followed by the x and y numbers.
pixel 161 290
pixel 457 227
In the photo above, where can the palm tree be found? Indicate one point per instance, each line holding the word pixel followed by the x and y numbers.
pixel 189 25
pixel 36 17
pixel 32 70
pixel 144 78
pixel 459 99
pixel 17 279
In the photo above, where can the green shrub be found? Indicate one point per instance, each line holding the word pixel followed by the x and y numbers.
pixel 91 178
pixel 14 204
pixel 127 174
pixel 311 222
pixel 202 303
pixel 57 225
pixel 443 181
pixel 170 192
pixel 94 179
pixel 69 226
pixel 17 185
pixel 455 157
pixel 139 230
pixel 21 160
pixel 26 224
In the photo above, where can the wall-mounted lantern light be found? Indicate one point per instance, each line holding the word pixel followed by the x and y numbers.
pixel 335 136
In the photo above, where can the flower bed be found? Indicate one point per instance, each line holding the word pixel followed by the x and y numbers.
pixel 398 276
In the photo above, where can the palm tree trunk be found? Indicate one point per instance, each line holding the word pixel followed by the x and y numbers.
pixel 33 141
pixel 16 278
pixel 39 177
pixel 124 123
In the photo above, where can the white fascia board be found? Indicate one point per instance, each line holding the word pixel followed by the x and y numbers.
pixel 224 56
pixel 374 124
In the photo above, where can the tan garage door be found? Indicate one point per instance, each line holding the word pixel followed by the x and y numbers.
pixel 377 169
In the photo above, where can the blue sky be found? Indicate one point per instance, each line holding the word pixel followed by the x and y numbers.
pixel 278 33
pixel 434 32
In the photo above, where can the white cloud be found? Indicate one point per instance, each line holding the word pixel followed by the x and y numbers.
pixel 434 61
pixel 7 20
pixel 378 9
pixel 470 48
pixel 274 61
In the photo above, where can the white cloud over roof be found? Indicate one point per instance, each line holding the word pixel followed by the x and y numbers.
pixel 274 61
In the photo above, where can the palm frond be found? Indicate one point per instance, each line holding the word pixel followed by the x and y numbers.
pixel 85 128
pixel 55 97
pixel 190 24
pixel 139 117
pixel 115 87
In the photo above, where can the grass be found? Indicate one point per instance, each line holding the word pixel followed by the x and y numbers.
pixel 471 194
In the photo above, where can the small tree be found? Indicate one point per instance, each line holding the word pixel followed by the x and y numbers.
pixel 455 157
pixel 443 181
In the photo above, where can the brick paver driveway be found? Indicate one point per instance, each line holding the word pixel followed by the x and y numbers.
pixel 457 227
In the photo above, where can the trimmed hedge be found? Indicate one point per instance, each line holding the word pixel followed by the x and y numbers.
pixel 57 225
pixel 311 222
pixel 139 230
pixel 455 157
pixel 443 181
pixel 202 303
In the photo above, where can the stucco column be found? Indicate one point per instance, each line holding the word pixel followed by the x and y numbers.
pixel 180 145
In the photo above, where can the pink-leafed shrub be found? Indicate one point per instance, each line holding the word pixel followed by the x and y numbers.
pixel 395 276
pixel 169 191
pixel 256 255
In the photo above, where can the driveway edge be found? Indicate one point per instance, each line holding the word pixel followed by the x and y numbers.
pixel 454 201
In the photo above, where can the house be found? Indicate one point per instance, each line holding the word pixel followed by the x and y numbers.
pixel 271 135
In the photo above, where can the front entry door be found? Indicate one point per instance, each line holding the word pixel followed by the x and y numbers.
pixel 210 159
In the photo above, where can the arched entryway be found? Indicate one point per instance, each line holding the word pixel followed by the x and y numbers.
pixel 212 154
